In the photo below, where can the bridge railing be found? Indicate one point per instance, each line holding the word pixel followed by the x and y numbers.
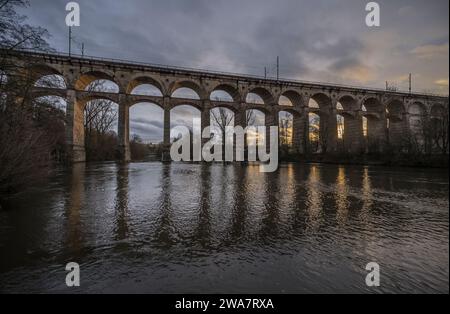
pixel 222 73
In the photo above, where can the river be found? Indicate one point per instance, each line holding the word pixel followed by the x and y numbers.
pixel 213 228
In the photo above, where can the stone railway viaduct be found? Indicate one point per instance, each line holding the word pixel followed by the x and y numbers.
pixel 353 103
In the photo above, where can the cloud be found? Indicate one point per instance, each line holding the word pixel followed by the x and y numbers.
pixel 357 73
pixel 146 121
pixel 407 11
pixel 431 51
pixel 441 82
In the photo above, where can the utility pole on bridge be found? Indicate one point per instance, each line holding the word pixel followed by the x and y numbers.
pixel 70 41
pixel 278 68
pixel 410 83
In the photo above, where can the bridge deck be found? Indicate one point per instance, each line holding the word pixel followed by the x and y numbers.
pixel 126 64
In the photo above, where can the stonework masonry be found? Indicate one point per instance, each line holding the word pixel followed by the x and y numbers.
pixel 388 113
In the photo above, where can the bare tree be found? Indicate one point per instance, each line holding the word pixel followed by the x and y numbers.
pixel 285 126
pixel 438 131
pixel 29 130
pixel 100 116
pixel 221 119
pixel 136 138
pixel 15 33
pixel 139 150
pixel 314 134
pixel 250 117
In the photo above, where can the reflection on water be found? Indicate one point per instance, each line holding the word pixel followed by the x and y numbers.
pixel 192 228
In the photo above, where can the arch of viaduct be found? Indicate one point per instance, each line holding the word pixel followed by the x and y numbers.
pixel 378 106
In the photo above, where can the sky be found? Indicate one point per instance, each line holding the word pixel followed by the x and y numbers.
pixel 316 40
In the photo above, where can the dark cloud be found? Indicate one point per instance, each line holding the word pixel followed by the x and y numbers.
pixel 345 63
pixel 147 121
pixel 237 35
